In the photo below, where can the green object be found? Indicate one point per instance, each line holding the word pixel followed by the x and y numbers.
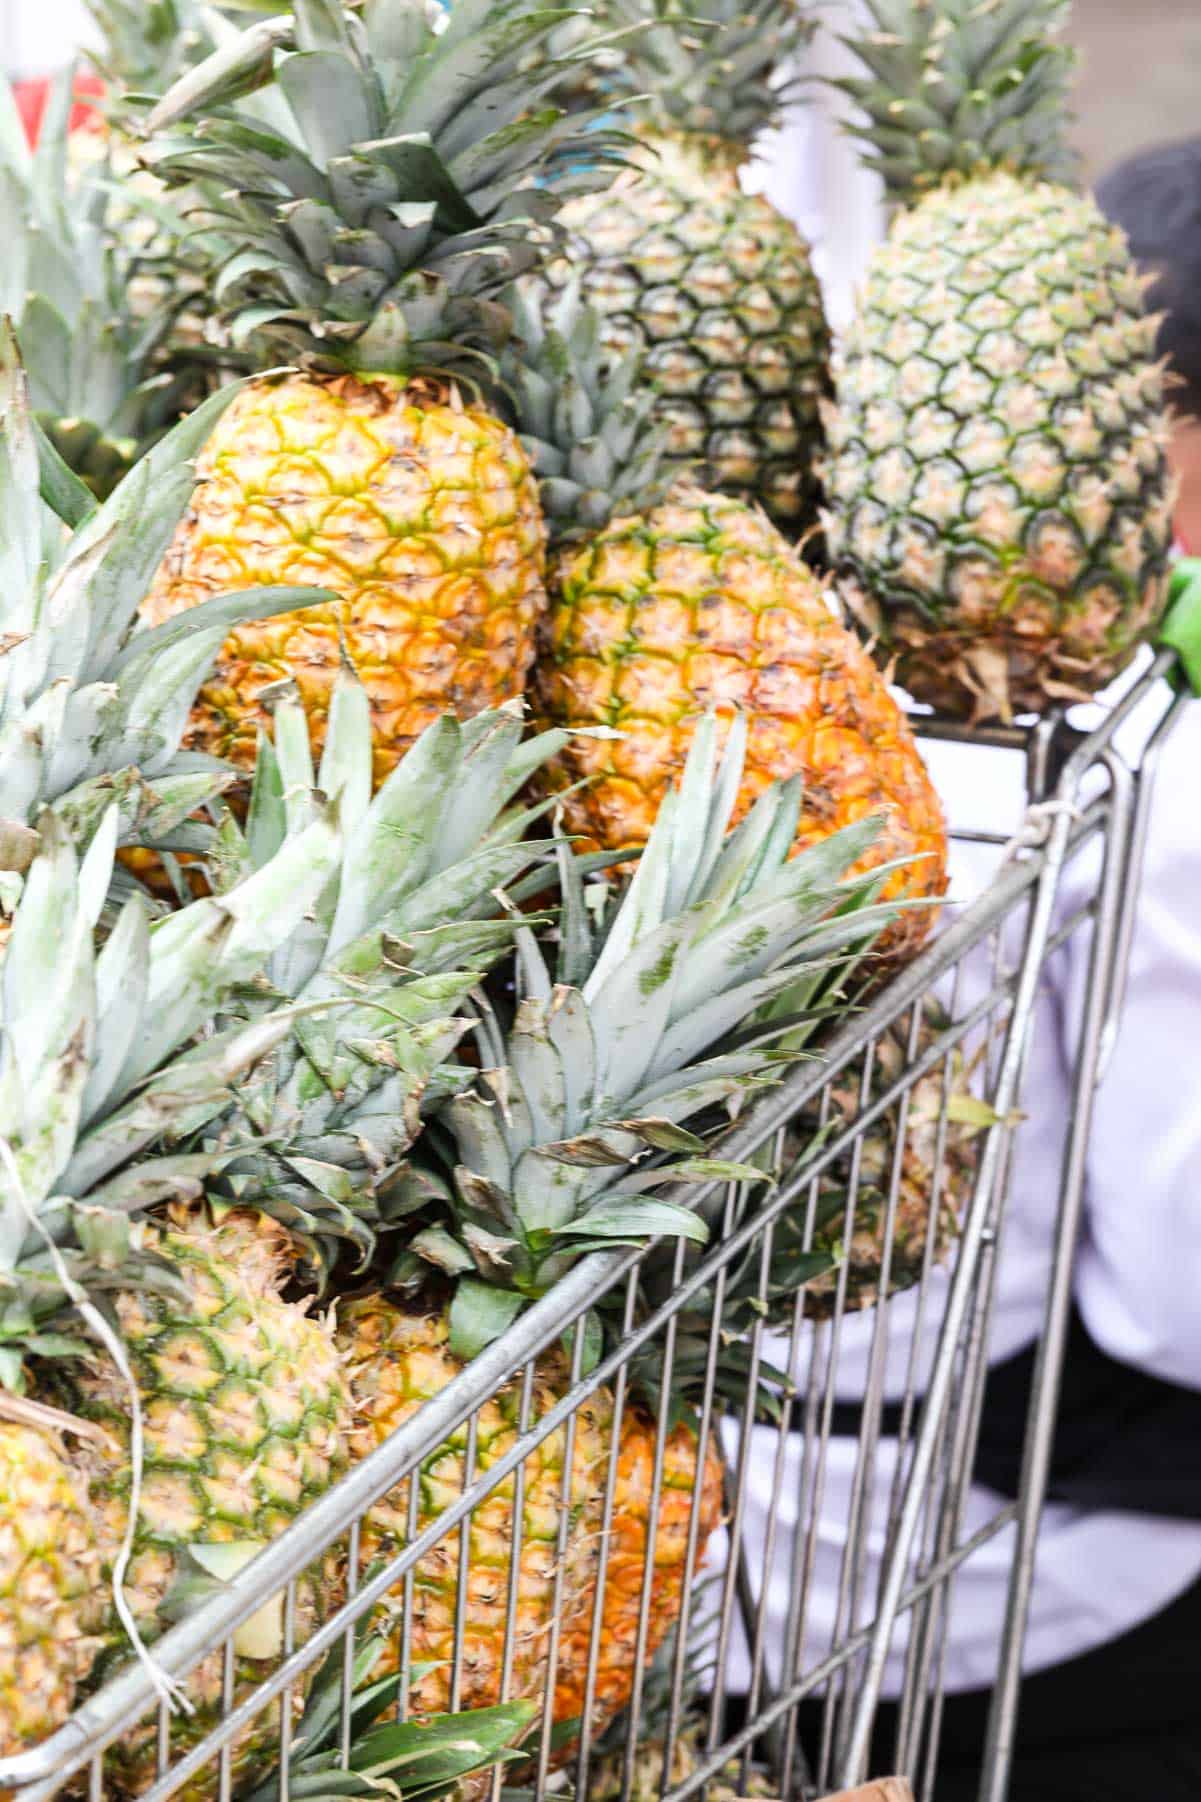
pixel 414 1759
pixel 1181 628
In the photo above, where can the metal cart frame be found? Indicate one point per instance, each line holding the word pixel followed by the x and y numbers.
pixel 1081 793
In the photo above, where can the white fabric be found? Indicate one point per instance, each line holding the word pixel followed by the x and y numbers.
pixel 1139 1275
pixel 38 38
pixel 1139 1270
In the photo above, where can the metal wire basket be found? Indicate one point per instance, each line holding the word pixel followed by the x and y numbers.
pixel 808 1622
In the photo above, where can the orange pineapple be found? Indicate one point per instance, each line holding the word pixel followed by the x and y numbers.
pixel 625 1569
pixel 604 1057
pixel 700 603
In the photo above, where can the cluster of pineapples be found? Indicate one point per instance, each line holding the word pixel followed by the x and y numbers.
pixel 518 398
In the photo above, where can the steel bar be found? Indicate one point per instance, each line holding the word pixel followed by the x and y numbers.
pixel 902 1540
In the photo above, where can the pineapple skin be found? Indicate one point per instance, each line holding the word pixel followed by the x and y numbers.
pixel 1000 504
pixel 913 1218
pixel 246 1419
pixel 421 513
pixel 49 1569
pixel 397 1360
pixel 684 1473
pixel 702 603
pixel 716 288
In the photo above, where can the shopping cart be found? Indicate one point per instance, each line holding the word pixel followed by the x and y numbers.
pixel 901 1494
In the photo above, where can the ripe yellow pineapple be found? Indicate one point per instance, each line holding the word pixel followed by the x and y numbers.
pixel 999 498
pixel 712 283
pixel 701 603
pixel 396 1360
pixel 684 1473
pixel 49 1568
pixel 376 463
pixel 416 508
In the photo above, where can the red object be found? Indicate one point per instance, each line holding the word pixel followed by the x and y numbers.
pixel 31 98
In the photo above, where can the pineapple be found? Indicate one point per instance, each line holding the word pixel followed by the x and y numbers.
pixel 687 1480
pixel 392 194
pixel 242 1398
pixel 49 1567
pixel 91 710
pixel 711 282
pixel 938 1165
pixel 999 498
pixel 666 605
pixel 246 1413
pixel 574 1118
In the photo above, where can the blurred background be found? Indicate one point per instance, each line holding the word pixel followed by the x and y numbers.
pixel 1137 86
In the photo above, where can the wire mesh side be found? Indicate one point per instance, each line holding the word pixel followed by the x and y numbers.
pixel 699 1655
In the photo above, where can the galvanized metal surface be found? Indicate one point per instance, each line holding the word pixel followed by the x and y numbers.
pixel 906 1532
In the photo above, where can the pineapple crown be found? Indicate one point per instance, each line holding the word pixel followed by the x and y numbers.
pixel 402 167
pixel 717 69
pixel 147 44
pixel 428 1756
pixel 405 928
pixel 92 709
pixel 957 89
pixel 94 1086
pixel 577 1117
pixel 92 366
pixel 589 428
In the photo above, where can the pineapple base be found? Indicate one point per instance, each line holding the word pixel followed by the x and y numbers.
pixel 994 664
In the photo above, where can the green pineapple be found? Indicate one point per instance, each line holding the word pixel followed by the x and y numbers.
pixel 1000 507
pixel 242 1400
pixel 934 1175
pixel 713 283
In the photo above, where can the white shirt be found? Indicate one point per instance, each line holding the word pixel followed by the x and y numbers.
pixel 1138 1277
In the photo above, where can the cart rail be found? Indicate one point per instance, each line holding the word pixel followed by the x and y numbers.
pixel 908 1522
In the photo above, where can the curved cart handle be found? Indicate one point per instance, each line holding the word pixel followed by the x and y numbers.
pixel 1181 627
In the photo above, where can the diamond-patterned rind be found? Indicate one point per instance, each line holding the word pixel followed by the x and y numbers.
pixel 397 1361
pixel 245 1420
pixel 422 514
pixel 702 603
pixel 717 288
pixel 49 1572
pixel 999 500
